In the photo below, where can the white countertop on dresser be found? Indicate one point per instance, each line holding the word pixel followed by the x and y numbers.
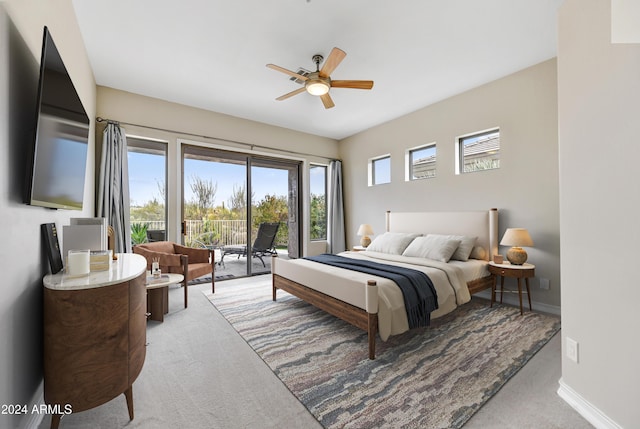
pixel 127 267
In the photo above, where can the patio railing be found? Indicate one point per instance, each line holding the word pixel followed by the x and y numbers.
pixel 225 232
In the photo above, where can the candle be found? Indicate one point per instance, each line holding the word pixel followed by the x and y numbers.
pixel 78 263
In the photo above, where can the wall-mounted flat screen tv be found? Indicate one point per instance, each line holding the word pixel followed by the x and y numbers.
pixel 57 158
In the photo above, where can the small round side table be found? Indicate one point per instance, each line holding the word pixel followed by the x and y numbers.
pixel 158 294
pixel 519 272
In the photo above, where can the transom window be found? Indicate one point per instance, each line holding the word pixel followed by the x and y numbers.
pixel 420 162
pixel 380 170
pixel 478 151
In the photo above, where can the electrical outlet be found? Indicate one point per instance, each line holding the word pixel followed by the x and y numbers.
pixel 572 349
pixel 544 283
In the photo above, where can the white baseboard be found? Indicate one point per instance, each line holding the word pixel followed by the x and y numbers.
pixel 33 420
pixel 512 299
pixel 585 409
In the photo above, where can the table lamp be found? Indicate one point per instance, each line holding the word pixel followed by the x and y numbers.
pixel 516 237
pixel 365 231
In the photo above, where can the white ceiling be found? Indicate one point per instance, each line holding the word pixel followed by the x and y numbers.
pixel 212 54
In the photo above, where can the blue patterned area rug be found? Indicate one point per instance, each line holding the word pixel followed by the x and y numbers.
pixel 435 377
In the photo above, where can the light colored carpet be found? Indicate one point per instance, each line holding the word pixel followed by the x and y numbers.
pixel 199 373
pixel 434 377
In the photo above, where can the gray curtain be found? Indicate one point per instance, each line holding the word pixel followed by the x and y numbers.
pixel 335 210
pixel 113 189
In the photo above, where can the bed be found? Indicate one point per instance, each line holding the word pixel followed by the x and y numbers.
pixel 374 303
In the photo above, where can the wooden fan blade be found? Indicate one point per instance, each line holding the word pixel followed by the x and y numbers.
pixel 335 57
pixel 285 71
pixel 327 101
pixel 291 94
pixel 355 84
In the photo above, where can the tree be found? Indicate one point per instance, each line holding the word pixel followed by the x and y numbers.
pixel 152 210
pixel 162 189
pixel 273 209
pixel 318 216
pixel 204 194
pixel 238 200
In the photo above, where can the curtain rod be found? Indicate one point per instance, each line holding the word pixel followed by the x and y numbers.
pixel 249 145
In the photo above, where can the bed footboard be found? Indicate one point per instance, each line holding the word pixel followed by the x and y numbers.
pixel 347 312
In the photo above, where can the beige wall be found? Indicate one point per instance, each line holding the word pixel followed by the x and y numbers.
pixel 21 253
pixel 127 107
pixel 524 188
pixel 599 107
pixel 209 129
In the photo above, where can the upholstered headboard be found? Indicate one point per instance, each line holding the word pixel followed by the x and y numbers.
pixel 483 224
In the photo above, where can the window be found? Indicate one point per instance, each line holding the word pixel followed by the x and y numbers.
pixel 420 162
pixel 147 188
pixel 380 170
pixel 478 151
pixel 318 202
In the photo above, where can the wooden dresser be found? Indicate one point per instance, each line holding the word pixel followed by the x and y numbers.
pixel 94 336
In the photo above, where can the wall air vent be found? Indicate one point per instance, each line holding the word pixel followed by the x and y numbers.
pixel 301 72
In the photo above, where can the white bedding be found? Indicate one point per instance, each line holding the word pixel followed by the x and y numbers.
pixel 472 269
pixel 449 279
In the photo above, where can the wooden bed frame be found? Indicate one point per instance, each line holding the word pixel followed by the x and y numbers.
pixel 404 222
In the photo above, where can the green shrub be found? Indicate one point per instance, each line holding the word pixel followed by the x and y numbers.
pixel 139 233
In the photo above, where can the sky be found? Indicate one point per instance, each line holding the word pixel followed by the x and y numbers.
pixel 147 170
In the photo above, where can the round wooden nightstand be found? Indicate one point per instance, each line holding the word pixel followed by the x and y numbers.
pixel 358 248
pixel 524 271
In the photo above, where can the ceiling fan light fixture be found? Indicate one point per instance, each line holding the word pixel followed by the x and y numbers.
pixel 317 87
pixel 319 82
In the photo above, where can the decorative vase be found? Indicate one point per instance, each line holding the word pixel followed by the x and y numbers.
pixel 517 255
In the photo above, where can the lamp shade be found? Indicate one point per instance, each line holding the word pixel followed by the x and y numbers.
pixel 317 87
pixel 365 229
pixel 517 237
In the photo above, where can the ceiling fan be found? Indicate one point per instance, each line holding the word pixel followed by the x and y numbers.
pixel 319 82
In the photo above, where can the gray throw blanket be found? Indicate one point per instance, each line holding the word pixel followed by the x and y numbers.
pixel 420 297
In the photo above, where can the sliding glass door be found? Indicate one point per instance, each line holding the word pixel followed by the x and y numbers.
pixel 242 206
pixel 275 187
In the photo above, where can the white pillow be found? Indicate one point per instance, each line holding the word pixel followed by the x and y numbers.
pixel 464 249
pixel 437 247
pixel 478 252
pixel 391 242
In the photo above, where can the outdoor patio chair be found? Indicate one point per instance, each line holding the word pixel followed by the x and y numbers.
pixel 155 235
pixel 263 245
pixel 209 240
